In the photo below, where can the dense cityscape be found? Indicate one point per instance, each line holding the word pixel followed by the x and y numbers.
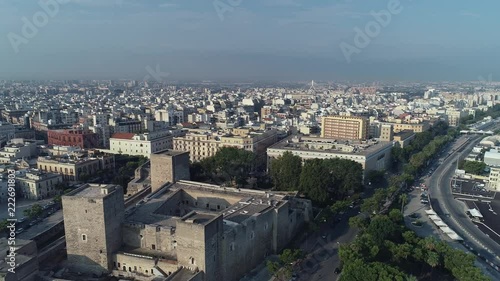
pixel 148 180
pixel 263 140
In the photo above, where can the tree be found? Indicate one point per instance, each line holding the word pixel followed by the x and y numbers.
pixel 285 171
pixel 229 165
pixel 315 181
pixel 432 259
pixel 403 198
pixel 395 215
pixel 36 210
pixel 358 221
pixel 3 225
pixel 474 167
pixel 283 268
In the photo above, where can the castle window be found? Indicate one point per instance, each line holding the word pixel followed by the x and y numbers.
pixel 135 268
pixel 152 271
pixel 208 205
pixel 218 207
pixel 153 246
pixel 191 260
pixel 84 237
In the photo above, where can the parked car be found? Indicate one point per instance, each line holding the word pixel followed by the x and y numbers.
pixel 337 270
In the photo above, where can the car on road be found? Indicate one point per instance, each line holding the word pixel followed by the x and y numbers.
pixel 20 230
pixel 337 270
pixel 21 220
pixel 324 236
pixel 423 201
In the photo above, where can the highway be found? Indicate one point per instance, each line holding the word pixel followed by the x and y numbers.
pixel 452 211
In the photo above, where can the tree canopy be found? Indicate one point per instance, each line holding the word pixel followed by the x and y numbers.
pixel 386 250
pixel 320 180
pixel 285 171
pixel 229 165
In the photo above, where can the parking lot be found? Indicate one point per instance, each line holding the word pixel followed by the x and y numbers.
pixel 470 187
pixel 490 223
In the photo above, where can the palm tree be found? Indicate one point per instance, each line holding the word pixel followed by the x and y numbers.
pixel 411 278
pixel 432 260
pixel 403 198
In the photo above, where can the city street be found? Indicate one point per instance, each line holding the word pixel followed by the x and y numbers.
pixel 21 205
pixel 323 248
pixel 453 212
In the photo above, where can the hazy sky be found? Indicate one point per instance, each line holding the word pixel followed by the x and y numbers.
pixel 255 39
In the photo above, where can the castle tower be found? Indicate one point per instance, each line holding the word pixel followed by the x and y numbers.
pixel 93 217
pixel 168 166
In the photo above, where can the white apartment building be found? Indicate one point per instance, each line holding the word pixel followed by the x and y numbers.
pixel 372 155
pixel 36 185
pixel 140 144
pixel 18 149
pixel 494 178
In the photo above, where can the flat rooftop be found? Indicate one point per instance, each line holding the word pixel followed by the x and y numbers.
pixel 171 152
pixel 314 144
pixel 252 202
pixel 93 191
pixel 199 218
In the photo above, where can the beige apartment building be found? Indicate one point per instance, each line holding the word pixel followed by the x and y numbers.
pixel 344 127
pixel 73 168
pixel 415 127
pixel 204 144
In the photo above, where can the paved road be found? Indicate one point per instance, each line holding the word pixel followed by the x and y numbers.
pixel 21 205
pixel 453 212
pixel 322 246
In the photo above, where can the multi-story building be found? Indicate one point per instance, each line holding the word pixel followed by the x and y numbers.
pixel 36 185
pixel 184 231
pixel 415 127
pixel 126 126
pixel 73 169
pixel 454 116
pixel 7 132
pixel 372 155
pixel 494 178
pixel 203 144
pixel 18 149
pixel 404 138
pixel 140 144
pixel 344 127
pixel 74 137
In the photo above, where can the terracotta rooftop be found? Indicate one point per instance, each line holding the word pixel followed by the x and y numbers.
pixel 123 136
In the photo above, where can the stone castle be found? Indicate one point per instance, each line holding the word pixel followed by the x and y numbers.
pixel 183 230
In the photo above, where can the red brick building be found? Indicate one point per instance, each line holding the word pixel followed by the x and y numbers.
pixel 73 137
